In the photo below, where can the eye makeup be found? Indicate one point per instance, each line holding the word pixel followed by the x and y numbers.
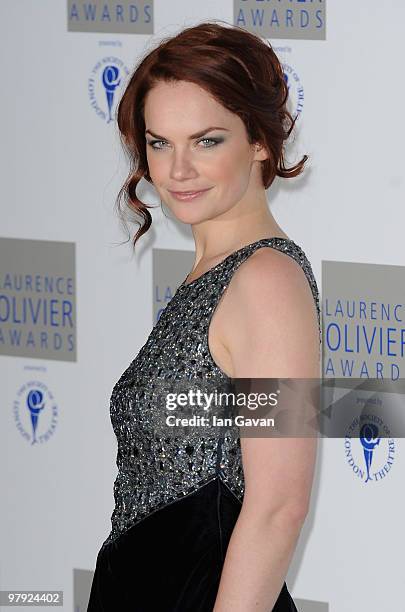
pixel 215 141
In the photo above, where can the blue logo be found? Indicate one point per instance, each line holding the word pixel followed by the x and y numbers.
pixel 35 412
pixel 106 80
pixel 370 455
pixel 295 90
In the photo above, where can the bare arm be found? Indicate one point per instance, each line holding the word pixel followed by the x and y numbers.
pixel 271 305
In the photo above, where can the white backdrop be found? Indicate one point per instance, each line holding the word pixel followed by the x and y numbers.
pixel 61 170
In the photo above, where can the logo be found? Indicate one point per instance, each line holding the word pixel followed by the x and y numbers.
pixel 35 412
pixel 286 19
pixel 370 455
pixel 295 89
pixel 38 299
pixel 110 16
pixel 362 320
pixel 105 82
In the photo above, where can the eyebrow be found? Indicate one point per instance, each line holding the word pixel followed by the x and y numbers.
pixel 210 129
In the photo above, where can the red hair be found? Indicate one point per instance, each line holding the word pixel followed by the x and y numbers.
pixel 238 69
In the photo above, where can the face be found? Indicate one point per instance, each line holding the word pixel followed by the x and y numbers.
pixel 193 143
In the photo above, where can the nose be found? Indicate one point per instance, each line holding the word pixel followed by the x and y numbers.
pixel 182 166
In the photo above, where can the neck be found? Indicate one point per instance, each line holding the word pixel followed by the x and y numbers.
pixel 226 233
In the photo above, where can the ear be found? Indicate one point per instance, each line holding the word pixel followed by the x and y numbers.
pixel 260 152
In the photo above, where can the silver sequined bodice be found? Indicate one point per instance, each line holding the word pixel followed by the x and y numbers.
pixel 156 471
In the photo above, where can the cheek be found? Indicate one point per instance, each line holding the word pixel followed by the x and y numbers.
pixel 233 171
pixel 156 169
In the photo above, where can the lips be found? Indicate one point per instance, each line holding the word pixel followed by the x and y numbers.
pixel 185 193
pixel 188 195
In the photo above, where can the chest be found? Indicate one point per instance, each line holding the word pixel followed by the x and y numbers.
pixel 176 350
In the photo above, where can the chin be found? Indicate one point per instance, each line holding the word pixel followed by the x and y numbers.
pixel 188 216
pixel 193 215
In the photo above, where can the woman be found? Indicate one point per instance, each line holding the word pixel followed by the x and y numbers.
pixel 207 524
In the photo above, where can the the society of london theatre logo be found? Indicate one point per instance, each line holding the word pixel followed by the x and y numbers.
pixel 105 82
pixel 295 90
pixel 35 412
pixel 369 448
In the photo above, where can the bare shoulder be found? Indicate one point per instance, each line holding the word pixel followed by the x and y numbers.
pixel 269 272
pixel 270 303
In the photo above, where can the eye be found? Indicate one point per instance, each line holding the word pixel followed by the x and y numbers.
pixel 215 141
pixel 151 143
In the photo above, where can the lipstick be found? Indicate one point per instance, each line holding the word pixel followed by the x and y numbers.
pixel 188 195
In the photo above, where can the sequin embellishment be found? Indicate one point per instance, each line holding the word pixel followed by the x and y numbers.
pixel 154 472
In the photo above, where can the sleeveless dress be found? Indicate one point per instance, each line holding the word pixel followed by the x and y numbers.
pixel 177 499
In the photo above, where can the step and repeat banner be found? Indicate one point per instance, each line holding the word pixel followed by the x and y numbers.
pixel 76 304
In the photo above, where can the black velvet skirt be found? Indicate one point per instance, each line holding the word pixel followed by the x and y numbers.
pixel 171 561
